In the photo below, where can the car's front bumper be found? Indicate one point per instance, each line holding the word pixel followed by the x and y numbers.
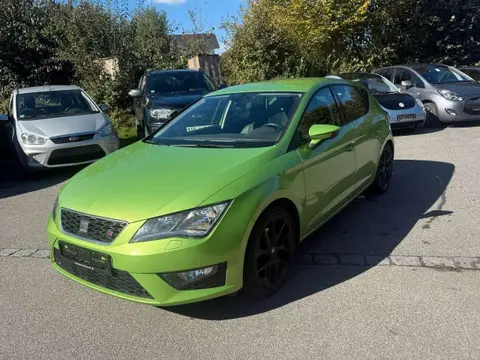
pixel 146 260
pixel 458 111
pixel 53 155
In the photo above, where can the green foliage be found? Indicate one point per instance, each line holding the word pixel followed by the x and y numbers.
pixel 283 38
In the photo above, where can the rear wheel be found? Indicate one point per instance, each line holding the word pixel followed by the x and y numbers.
pixel 269 253
pixel 384 171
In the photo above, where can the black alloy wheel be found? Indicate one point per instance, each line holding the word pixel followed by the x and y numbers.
pixel 384 171
pixel 269 253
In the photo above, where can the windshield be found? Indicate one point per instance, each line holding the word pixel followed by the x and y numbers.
pixel 178 82
pixel 233 120
pixel 49 104
pixel 440 74
pixel 375 83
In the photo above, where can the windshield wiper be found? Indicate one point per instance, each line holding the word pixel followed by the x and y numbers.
pixel 209 145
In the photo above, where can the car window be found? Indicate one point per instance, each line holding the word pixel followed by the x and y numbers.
pixel 473 73
pixel 353 102
pixel 407 75
pixel 373 82
pixel 322 109
pixel 440 74
pixel 141 85
pixel 232 120
pixel 178 82
pixel 10 106
pixel 31 106
pixel 386 73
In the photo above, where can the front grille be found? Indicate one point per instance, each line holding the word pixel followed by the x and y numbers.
pixel 76 155
pixel 116 280
pixel 90 227
pixel 72 138
pixel 472 107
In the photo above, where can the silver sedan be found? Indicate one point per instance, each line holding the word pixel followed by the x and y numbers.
pixel 56 126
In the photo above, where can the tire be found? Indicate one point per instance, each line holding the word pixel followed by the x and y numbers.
pixel 431 114
pixel 383 178
pixel 140 132
pixel 269 253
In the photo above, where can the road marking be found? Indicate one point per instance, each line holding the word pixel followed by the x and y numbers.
pixel 443 263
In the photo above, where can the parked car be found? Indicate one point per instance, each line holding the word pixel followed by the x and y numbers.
pixel 161 94
pixel 447 94
pixel 56 126
pixel 252 171
pixel 472 71
pixel 404 110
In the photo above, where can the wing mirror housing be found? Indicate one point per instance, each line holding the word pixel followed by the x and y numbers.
pixel 407 84
pixel 319 133
pixel 135 93
pixel 104 107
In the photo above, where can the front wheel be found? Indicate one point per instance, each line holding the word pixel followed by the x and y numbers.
pixel 384 174
pixel 269 253
pixel 431 114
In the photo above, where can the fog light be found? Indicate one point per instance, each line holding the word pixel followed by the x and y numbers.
pixel 451 112
pixel 203 278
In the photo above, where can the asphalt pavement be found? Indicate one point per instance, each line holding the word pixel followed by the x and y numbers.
pixel 391 277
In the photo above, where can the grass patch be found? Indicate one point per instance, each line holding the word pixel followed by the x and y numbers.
pixel 124 123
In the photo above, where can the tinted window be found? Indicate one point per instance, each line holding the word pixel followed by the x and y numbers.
pixel 178 82
pixel 322 109
pixel 386 73
pixel 353 102
pixel 407 75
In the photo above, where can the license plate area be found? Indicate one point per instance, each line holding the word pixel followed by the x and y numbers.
pixel 407 117
pixel 85 258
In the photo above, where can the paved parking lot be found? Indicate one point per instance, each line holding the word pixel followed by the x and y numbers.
pixel 392 277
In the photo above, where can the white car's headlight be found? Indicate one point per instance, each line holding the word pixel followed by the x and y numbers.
pixel 450 95
pixel 160 114
pixel 106 130
pixel 191 223
pixel 32 139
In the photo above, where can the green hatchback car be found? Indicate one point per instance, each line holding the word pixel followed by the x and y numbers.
pixel 219 197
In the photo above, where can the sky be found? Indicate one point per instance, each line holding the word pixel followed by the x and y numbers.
pixel 209 13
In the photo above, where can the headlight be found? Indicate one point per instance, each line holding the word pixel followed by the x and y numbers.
pixel 450 95
pixel 32 139
pixel 160 114
pixel 419 102
pixel 191 223
pixel 54 210
pixel 106 130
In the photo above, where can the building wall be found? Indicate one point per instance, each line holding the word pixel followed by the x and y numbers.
pixel 209 64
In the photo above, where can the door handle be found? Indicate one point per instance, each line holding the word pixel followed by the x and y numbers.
pixel 351 146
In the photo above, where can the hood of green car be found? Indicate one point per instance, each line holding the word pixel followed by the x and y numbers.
pixel 144 180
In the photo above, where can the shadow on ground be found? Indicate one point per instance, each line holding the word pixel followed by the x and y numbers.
pixel 369 226
pixel 13 182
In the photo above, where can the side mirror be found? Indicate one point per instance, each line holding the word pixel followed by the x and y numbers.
pixel 222 86
pixel 4 118
pixel 319 133
pixel 135 93
pixel 407 84
pixel 104 107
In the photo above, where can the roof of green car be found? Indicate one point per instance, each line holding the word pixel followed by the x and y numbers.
pixel 283 85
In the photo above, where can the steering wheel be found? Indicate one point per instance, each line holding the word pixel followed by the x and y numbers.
pixel 275 126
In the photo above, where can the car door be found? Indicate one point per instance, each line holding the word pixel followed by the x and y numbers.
pixel 354 104
pixel 406 75
pixel 329 168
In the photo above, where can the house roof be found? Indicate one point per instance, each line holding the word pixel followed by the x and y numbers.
pixel 183 41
